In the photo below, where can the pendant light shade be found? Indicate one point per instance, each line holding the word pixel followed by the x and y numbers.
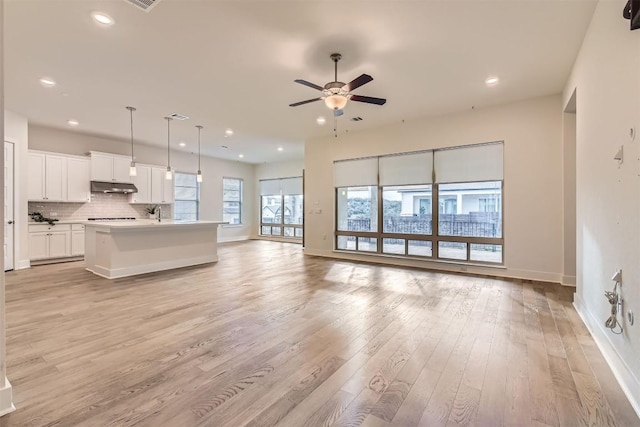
pixel 168 175
pixel 199 175
pixel 132 168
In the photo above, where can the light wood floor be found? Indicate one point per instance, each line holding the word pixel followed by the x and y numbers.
pixel 268 336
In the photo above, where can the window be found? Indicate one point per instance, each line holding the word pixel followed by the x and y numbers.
pixel 232 200
pixel 186 197
pixel 442 204
pixel 281 207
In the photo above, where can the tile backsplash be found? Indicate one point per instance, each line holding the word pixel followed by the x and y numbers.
pixel 102 205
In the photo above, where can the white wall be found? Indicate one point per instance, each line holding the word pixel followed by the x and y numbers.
pixel 16 131
pixel 606 78
pixel 213 170
pixel 6 403
pixel 532 133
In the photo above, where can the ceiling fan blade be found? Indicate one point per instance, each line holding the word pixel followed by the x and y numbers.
pixel 368 99
pixel 338 113
pixel 311 85
pixel 304 102
pixel 357 82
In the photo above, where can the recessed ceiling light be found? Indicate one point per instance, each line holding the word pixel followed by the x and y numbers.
pixel 321 120
pixel 228 132
pixel 47 82
pixel 241 155
pixel 280 148
pixel 102 18
pixel 73 122
pixel 182 144
pixel 492 81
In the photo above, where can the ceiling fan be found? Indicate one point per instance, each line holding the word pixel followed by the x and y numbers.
pixel 336 94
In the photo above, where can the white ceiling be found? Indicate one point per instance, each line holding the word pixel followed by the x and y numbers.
pixel 231 64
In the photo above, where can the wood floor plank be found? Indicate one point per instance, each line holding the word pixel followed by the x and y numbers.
pixel 293 340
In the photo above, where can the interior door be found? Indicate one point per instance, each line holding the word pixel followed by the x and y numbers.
pixel 8 206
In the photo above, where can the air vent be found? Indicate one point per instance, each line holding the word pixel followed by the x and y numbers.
pixel 145 5
pixel 356 119
pixel 177 116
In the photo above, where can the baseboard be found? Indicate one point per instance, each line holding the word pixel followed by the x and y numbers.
pixel 6 398
pixel 568 281
pixel 627 380
pixel 232 239
pixel 116 273
pixel 453 267
pixel 280 239
pixel 22 264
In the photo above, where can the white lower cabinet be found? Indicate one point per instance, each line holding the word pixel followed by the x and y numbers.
pixel 77 240
pixel 55 241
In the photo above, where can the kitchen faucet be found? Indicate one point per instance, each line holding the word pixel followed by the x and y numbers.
pixel 159 213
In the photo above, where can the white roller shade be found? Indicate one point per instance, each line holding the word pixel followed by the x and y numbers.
pixel 291 185
pixel 406 169
pixel 468 164
pixel 354 173
pixel 269 187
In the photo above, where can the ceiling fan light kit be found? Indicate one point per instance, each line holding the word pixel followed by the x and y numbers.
pixel 336 93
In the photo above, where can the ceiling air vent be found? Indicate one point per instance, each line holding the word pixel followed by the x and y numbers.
pixel 177 116
pixel 356 119
pixel 145 5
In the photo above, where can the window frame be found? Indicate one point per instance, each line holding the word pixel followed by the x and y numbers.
pixel 435 238
pixel 281 225
pixel 240 202
pixel 175 199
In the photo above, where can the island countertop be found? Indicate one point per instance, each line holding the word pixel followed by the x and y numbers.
pixel 149 224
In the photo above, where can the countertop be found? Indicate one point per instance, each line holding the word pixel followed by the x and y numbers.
pixel 149 224
pixel 66 221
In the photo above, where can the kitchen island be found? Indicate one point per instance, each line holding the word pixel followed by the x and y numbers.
pixel 119 249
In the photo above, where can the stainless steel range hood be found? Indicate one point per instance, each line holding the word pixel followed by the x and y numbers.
pixel 113 187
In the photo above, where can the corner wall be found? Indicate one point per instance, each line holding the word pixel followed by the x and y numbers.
pixel 533 208
pixel 6 396
pixel 606 78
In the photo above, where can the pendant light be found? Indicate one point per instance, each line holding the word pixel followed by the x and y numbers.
pixel 199 175
pixel 168 175
pixel 132 168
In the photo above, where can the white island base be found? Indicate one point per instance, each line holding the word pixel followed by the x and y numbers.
pixel 121 249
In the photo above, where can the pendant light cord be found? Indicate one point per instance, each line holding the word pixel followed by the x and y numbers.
pixel 131 110
pixel 131 114
pixel 168 142
pixel 199 129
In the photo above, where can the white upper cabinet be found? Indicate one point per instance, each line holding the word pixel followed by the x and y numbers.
pixel 48 177
pixel 161 188
pixel 36 179
pixel 55 178
pixel 58 178
pixel 142 181
pixel 101 167
pixel 121 169
pixel 109 167
pixel 78 186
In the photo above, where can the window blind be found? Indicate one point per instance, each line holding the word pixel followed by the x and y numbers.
pixel 269 187
pixel 470 163
pixel 406 169
pixel 354 173
pixel 291 185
